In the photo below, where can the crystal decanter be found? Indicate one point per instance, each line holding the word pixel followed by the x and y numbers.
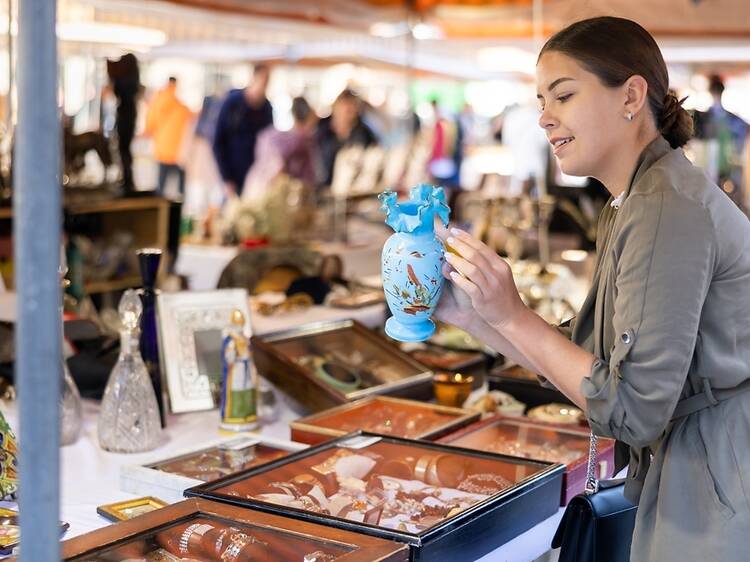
pixel 71 410
pixel 129 418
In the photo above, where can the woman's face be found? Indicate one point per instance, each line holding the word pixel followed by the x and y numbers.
pixel 584 120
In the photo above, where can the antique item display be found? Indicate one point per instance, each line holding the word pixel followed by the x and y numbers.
pixel 8 460
pixel 358 297
pixel 495 401
pixel 239 386
pixel 200 530
pixel 168 478
pixel 520 438
pixel 124 510
pixel 129 417
pixel 10 530
pixel 452 389
pixel 329 363
pixel 430 496
pixel 148 261
pixel 524 385
pixel 557 413
pixel 444 359
pixel 190 339
pixel 383 415
pixel 412 261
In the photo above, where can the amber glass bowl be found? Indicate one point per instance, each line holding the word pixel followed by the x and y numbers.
pixel 452 389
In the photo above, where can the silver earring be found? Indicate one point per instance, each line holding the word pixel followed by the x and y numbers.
pixel 629 116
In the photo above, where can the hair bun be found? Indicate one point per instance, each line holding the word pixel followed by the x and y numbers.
pixel 675 124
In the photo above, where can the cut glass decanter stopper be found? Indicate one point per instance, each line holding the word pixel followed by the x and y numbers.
pixel 129 418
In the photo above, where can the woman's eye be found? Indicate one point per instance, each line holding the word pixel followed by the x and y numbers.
pixel 563 98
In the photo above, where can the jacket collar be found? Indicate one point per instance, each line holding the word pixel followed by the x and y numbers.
pixel 655 150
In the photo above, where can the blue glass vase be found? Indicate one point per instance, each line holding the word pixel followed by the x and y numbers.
pixel 148 260
pixel 412 260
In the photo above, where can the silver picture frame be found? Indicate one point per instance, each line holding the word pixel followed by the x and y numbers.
pixel 190 326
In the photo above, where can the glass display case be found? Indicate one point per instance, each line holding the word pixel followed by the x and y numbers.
pixel 524 386
pixel 542 442
pixel 383 415
pixel 200 530
pixel 169 478
pixel 430 496
pixel 330 363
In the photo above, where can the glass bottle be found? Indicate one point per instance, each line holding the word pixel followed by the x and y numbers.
pixel 71 410
pixel 148 259
pixel 129 418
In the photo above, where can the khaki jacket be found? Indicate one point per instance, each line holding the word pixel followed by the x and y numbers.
pixel 669 306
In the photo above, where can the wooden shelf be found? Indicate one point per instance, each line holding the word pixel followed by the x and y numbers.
pixel 146 218
pixel 94 287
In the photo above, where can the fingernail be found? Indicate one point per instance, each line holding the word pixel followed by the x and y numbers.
pixel 450 240
pixel 455 231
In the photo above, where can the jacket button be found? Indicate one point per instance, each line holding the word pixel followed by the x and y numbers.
pixel 625 337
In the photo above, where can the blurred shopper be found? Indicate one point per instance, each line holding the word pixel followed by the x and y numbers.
pixel 725 134
pixel 344 127
pixel 447 148
pixel 167 121
pixel 527 144
pixel 126 85
pixel 660 350
pixel 290 152
pixel 244 114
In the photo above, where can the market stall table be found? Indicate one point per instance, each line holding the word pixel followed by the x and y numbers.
pixel 90 477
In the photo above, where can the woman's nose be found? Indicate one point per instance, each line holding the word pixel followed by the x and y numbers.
pixel 546 120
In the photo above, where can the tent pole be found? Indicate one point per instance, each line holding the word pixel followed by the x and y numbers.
pixel 36 235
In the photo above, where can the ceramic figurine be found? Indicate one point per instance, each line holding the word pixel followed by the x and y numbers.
pixel 129 417
pixel 239 396
pixel 412 261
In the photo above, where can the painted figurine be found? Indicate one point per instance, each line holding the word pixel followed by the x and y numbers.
pixel 239 397
pixel 412 260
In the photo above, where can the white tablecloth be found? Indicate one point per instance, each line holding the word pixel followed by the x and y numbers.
pixel 90 476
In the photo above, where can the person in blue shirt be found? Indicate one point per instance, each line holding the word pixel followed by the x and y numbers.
pixel 728 132
pixel 243 115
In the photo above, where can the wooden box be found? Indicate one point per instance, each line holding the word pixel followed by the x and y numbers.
pixel 541 442
pixel 169 478
pixel 447 503
pixel 197 529
pixel 383 415
pixel 330 363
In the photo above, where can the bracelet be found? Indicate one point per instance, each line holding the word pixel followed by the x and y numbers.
pixel 337 375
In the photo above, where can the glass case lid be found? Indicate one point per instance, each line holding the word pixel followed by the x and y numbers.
pixel 384 482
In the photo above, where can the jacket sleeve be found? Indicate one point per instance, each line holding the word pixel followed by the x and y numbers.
pixel 220 142
pixel 664 259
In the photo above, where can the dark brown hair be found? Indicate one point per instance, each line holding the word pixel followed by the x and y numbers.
pixel 614 49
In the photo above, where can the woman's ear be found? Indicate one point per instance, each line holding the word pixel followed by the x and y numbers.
pixel 636 94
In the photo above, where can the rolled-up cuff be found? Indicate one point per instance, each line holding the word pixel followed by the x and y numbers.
pixel 603 409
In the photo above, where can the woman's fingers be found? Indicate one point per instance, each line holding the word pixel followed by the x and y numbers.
pixel 468 287
pixel 470 270
pixel 474 250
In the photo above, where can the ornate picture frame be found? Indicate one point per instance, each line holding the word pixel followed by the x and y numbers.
pixel 190 325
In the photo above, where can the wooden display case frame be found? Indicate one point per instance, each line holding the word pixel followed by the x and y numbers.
pixel 574 479
pixel 367 549
pixel 304 429
pixel 302 384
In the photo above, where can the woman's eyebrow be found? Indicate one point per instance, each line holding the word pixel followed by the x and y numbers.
pixel 554 85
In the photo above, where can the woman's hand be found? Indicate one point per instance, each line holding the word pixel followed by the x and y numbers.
pixel 486 278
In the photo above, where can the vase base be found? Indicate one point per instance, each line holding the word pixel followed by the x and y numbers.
pixel 409 332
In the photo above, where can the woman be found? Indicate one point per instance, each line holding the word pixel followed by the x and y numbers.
pixel 668 316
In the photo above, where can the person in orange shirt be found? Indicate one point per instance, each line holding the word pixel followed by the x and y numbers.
pixel 166 122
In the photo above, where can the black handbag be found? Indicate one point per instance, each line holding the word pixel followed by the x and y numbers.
pixel 597 525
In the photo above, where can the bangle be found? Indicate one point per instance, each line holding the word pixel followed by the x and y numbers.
pixel 337 375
